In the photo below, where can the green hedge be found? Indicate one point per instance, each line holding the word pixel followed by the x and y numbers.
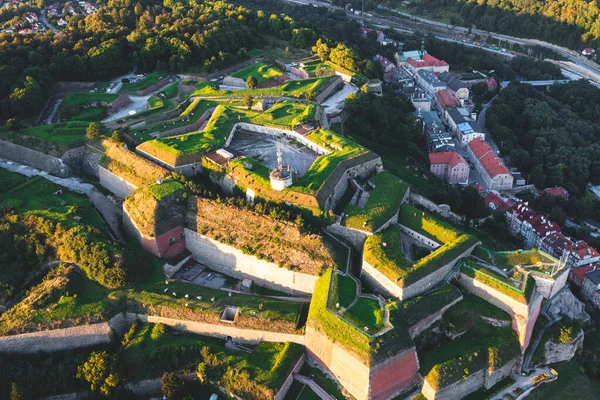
pixel 498 282
pixel 383 203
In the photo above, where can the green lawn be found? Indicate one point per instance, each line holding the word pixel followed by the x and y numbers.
pixel 261 71
pixel 366 312
pixel 89 114
pixel 72 99
pixel 297 89
pixel 170 91
pixel 147 81
pixel 150 353
pixel 420 307
pixel 316 65
pixel 343 291
pixel 166 188
pixel 8 180
pixel 427 225
pixel 382 205
pixel 69 134
pixel 35 197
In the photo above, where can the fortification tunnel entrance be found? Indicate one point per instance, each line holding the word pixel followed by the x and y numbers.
pixel 263 148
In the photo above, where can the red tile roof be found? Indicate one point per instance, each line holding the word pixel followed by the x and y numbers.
pixel 499 203
pixel 581 249
pixel 447 98
pixel 447 157
pixel 488 159
pixel 557 191
pixel 579 272
pixel 426 61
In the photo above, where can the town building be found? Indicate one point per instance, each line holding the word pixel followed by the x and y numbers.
pixel 462 125
pixel 375 86
pixel 429 82
pixel 524 222
pixel 459 87
pixel 450 167
pixel 588 51
pixel 577 274
pixel 590 288
pixel 447 98
pixel 402 57
pixel 496 202
pixel 434 134
pixel 492 170
pixel 427 63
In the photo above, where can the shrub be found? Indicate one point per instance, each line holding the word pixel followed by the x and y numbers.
pixel 158 330
pixel 172 385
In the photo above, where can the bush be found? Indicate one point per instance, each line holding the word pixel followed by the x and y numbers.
pixel 172 385
pixel 13 124
pixel 158 330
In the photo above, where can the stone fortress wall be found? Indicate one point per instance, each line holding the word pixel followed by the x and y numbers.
pixel 233 262
pixel 57 166
pixel 117 185
pixel 460 389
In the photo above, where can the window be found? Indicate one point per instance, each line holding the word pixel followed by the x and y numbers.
pixel 182 234
pixel 171 241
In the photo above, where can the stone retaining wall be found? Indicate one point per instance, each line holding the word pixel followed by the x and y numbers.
pixel 379 281
pixel 238 335
pixel 426 322
pixel 23 155
pixel 57 339
pixel 285 387
pixel 474 382
pixel 329 88
pixel 117 185
pixel 431 206
pixel 233 262
pixel 354 236
pixel 432 244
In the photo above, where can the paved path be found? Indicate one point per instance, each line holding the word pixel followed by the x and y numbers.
pixel 45 21
pixel 111 213
pixel 526 383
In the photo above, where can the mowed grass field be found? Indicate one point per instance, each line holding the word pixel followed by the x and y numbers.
pixel 261 71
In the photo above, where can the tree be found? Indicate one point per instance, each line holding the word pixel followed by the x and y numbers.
pixel 93 131
pixel 201 372
pixel 101 372
pixel 117 136
pixel 321 49
pixel 172 385
pixel 251 82
pixel 16 393
pixel 473 205
pixel 13 124
pixel 311 95
pixel 248 100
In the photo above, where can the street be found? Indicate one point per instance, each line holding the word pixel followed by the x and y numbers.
pixel 45 20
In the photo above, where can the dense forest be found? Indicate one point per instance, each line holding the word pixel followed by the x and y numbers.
pixel 568 23
pixel 552 136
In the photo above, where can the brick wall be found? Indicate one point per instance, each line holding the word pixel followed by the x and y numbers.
pixel 233 262
pixel 329 88
pixel 393 376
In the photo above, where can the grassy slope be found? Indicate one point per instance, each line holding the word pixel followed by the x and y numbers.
pixel 68 134
pixel 382 204
pixel 261 71
pixel 571 383
pixel 290 88
pixel 267 365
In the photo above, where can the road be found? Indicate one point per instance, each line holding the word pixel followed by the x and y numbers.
pixel 411 24
pixel 526 383
pixel 45 21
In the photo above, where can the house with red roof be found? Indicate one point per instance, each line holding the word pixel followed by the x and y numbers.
pixel 427 62
pixel 580 253
pixel 450 167
pixel 447 98
pixel 577 274
pixel 492 170
pixel 557 191
pixel 496 202
pixel 524 222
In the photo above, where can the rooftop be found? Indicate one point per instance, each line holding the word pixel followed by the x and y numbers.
pixel 450 157
pixel 447 98
pixel 430 78
pixel 488 159
pixel 426 61
pixel 594 276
